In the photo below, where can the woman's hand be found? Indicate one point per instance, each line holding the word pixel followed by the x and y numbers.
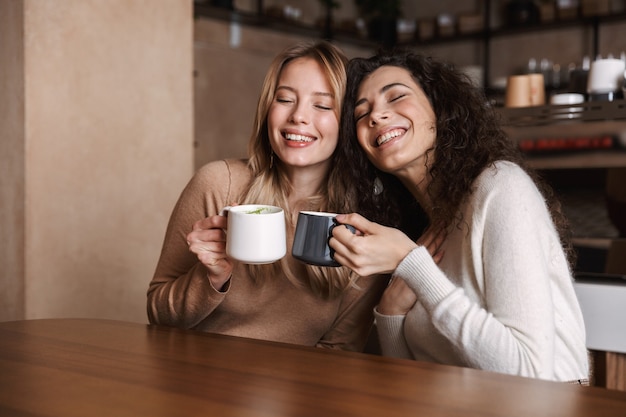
pixel 374 249
pixel 208 241
pixel 398 299
pixel 433 238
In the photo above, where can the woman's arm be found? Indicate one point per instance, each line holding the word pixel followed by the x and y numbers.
pixel 355 314
pixel 510 255
pixel 378 249
pixel 181 293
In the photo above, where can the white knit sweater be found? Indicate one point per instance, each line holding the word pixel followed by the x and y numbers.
pixel 502 298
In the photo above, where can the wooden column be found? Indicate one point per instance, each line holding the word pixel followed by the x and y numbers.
pixel 609 370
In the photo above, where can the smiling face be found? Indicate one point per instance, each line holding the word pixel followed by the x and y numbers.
pixel 395 123
pixel 302 120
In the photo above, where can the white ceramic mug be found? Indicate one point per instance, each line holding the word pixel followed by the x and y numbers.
pixel 256 233
pixel 605 76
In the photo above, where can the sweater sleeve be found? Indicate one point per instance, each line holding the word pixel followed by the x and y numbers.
pixel 355 316
pixel 511 252
pixel 180 293
pixel 391 335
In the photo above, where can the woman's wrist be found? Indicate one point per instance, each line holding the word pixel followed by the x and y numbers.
pixel 387 307
pixel 220 285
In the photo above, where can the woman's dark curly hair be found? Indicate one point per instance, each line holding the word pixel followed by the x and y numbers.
pixel 469 139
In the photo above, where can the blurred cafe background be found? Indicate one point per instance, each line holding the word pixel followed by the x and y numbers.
pixel 107 108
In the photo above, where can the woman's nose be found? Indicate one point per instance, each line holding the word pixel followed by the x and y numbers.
pixel 299 115
pixel 378 116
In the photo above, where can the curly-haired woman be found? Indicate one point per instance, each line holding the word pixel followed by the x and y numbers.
pixel 497 294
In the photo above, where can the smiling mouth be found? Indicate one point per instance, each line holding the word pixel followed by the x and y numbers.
pixel 298 138
pixel 387 136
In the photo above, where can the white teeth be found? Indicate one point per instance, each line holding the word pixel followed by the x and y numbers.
pixel 298 138
pixel 388 136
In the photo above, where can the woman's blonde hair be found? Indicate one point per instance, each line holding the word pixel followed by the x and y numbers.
pixel 270 184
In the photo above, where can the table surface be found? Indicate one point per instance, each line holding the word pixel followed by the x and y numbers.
pixel 87 367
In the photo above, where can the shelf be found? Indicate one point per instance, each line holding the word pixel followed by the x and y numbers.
pixel 261 20
pixel 503 31
pixel 557 24
pixel 280 25
pixel 589 122
pixel 484 36
pixel 252 19
pixel 590 111
pixel 582 160
pixel 602 243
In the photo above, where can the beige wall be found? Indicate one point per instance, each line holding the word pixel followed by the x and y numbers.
pixel 97 146
pixel 12 173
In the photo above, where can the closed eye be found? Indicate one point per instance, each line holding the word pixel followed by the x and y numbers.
pixel 361 110
pixel 360 116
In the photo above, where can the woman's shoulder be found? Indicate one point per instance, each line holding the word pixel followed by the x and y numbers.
pixel 506 183
pixel 233 170
pixel 224 167
pixel 228 176
pixel 503 174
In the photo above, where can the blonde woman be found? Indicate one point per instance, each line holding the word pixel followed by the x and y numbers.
pixel 294 163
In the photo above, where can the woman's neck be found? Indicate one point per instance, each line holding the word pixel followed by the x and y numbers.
pixel 418 187
pixel 305 183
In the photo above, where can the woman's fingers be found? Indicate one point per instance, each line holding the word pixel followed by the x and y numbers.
pixel 360 223
pixel 206 238
pixel 212 222
pixel 207 241
pixel 438 256
pixel 376 250
pixel 398 299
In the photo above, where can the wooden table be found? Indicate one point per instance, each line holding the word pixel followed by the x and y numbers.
pixel 82 367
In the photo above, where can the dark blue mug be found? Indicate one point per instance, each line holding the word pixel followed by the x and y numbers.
pixel 310 243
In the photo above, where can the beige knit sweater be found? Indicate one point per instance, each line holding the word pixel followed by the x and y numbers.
pixel 277 309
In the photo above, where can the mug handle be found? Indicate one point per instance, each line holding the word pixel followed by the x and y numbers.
pixel 224 211
pixel 330 234
pixel 335 224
